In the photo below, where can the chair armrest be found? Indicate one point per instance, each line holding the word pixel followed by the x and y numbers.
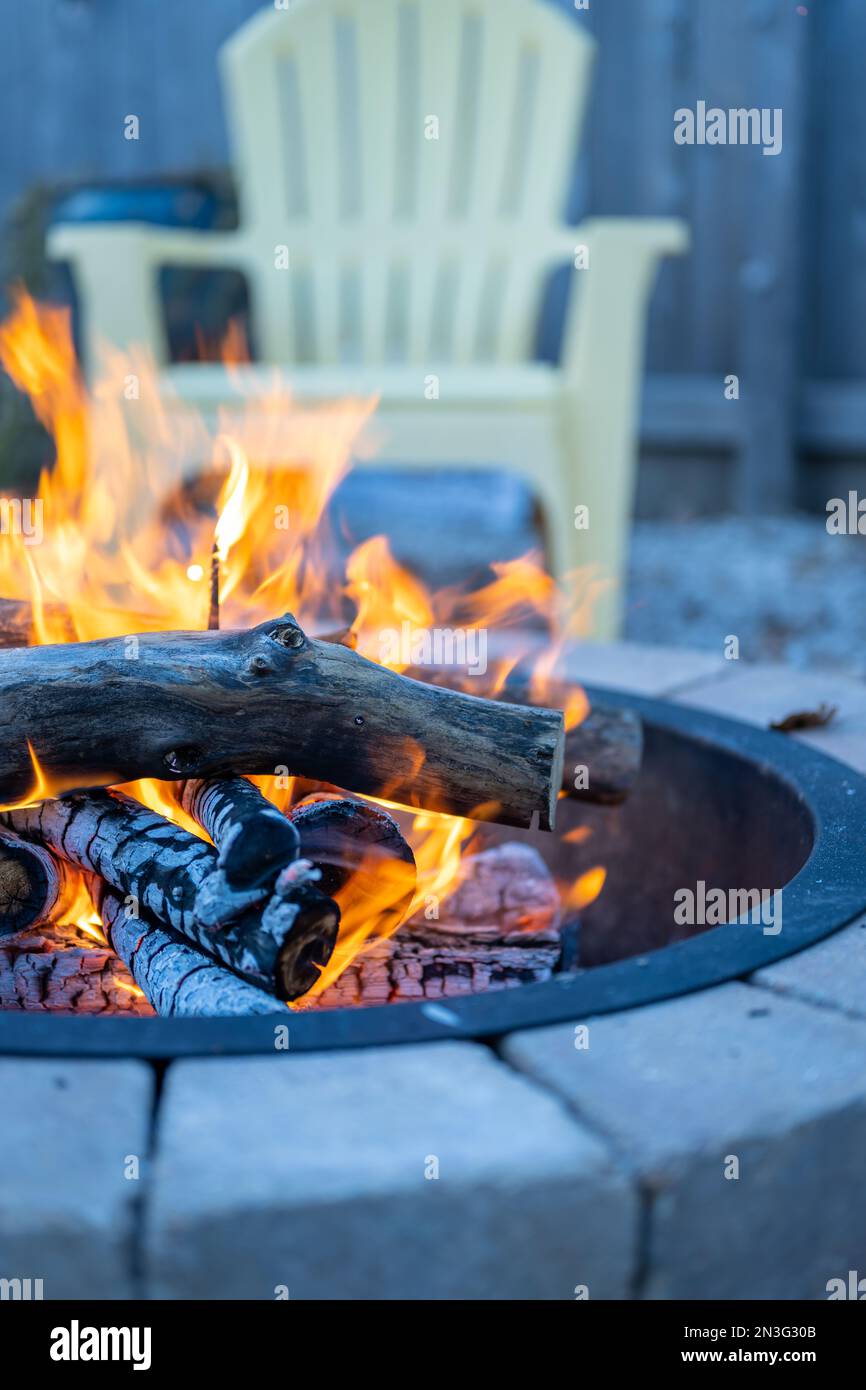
pixel 609 297
pixel 115 267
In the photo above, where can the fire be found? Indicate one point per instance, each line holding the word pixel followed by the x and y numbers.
pixel 132 526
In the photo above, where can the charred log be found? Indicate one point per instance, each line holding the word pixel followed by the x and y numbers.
pixel 276 940
pixel 253 839
pixel 178 981
pixel 199 704
pixel 35 887
pixel 62 970
pixel 497 928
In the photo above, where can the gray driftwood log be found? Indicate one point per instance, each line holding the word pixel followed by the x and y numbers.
pixel 197 704
pixel 253 839
pixel 607 746
pixel 60 969
pixel 178 981
pixel 35 886
pixel 497 928
pixel 278 940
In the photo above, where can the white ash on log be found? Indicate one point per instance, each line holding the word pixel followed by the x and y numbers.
pixel 178 981
pixel 277 940
pixel 35 887
pixel 199 704
pixel 62 970
pixel 497 928
pixel 253 839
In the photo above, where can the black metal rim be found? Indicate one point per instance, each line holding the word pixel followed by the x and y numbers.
pixel 828 893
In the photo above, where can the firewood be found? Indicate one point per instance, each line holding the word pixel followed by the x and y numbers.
pixel 178 981
pixel 253 839
pixel 603 754
pixel 340 836
pixel 62 970
pixel 277 940
pixel 197 704
pixel 498 927
pixel 35 886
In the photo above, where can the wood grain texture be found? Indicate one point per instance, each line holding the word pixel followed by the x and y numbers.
pixel 198 704
pixel 35 886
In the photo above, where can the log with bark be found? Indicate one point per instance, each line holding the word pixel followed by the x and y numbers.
pixel 278 939
pixel 178 981
pixel 195 704
pixel 62 970
pixel 35 886
pixel 253 839
pixel 603 754
pixel 498 927
pixel 347 839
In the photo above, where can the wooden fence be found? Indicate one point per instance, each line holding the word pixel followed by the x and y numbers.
pixel 774 290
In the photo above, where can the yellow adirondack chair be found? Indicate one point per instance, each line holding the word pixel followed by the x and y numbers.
pixel 402 167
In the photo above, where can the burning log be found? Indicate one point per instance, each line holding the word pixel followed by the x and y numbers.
pixel 341 837
pixel 497 928
pixel 603 754
pixel 35 887
pixel 199 704
pixel 254 840
pixel 178 981
pixel 65 971
pixel 278 940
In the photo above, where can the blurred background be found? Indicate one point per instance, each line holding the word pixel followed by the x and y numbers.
pixel 729 533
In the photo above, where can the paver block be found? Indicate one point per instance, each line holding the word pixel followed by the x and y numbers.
pixel 832 973
pixel 761 694
pixel 69 1140
pixel 684 1088
pixel 312 1177
pixel 644 670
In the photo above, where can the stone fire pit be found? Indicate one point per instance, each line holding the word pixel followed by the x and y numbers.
pixel 705 1147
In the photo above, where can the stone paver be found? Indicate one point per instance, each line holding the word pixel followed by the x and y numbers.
pixel 70 1134
pixel 685 1087
pixel 759 694
pixel 831 974
pixel 652 671
pixel 306 1174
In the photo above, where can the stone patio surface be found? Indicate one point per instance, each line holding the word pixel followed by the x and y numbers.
pixel 708 1147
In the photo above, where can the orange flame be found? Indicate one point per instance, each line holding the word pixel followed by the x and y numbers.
pixel 130 522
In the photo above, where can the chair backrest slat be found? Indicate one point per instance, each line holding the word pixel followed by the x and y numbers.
pixel 393 147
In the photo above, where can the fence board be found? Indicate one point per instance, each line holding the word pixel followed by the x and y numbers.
pixel 70 70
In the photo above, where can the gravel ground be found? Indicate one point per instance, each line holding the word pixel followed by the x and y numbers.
pixel 789 591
